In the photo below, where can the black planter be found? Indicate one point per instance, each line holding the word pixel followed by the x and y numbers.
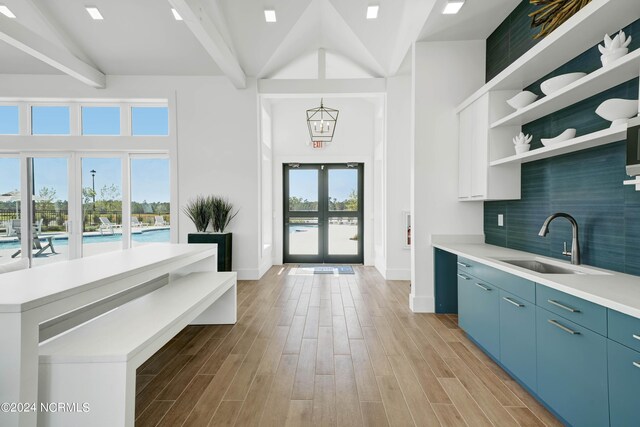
pixel 224 246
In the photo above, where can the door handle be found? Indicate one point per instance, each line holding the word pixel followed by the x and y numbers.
pixel 484 288
pixel 636 336
pixel 462 276
pixel 562 306
pixel 462 264
pixel 564 328
pixel 636 364
pixel 510 301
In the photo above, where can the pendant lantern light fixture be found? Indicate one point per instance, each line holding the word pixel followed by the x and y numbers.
pixel 322 123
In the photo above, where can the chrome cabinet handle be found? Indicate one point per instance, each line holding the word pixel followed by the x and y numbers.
pixel 510 301
pixel 484 288
pixel 636 336
pixel 462 264
pixel 462 276
pixel 636 364
pixel 562 306
pixel 564 328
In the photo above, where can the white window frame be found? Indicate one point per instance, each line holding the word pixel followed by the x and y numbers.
pixel 76 146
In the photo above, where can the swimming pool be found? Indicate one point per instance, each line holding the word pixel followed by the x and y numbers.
pixel 147 236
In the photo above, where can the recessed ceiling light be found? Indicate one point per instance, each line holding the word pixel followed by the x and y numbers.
pixel 94 13
pixel 453 7
pixel 6 11
pixel 372 11
pixel 176 15
pixel 270 15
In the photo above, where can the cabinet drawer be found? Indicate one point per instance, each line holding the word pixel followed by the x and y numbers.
pixel 513 284
pixel 624 329
pixel 572 370
pixel 585 313
pixel 624 385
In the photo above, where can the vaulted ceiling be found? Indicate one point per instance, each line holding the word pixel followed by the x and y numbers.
pixel 216 37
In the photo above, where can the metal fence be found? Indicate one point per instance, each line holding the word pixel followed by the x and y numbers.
pixel 54 218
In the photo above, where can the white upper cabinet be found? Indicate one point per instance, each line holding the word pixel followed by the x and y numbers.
pixel 478 143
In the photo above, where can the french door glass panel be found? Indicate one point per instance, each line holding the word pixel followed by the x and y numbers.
pixel 9 209
pixel 150 200
pixel 303 190
pixel 50 210
pixel 101 205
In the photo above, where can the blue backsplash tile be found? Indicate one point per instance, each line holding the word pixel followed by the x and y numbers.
pixel 586 184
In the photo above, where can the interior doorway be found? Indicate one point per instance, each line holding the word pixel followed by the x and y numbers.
pixel 323 213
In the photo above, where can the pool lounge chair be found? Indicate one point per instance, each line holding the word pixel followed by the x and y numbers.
pixel 136 223
pixel 37 244
pixel 160 222
pixel 105 224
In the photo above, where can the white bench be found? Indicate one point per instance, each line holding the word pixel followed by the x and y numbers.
pixel 96 362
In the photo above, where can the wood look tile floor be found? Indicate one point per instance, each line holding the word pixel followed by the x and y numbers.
pixel 329 350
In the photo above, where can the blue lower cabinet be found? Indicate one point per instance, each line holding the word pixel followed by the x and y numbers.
pixel 518 337
pixel 479 312
pixel 572 370
pixel 624 385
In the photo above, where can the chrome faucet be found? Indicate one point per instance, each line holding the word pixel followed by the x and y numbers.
pixel 575 246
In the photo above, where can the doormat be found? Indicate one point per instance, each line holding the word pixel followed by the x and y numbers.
pixel 327 269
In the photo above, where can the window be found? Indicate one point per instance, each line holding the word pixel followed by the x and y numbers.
pixel 50 120
pixel 9 123
pixel 150 200
pixel 101 120
pixel 149 121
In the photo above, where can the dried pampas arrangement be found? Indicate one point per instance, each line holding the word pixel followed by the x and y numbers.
pixel 553 13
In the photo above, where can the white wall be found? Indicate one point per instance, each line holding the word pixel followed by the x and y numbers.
pixel 353 141
pixel 217 142
pixel 398 177
pixel 444 74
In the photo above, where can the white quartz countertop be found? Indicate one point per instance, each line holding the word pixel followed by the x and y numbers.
pixel 618 291
pixel 26 289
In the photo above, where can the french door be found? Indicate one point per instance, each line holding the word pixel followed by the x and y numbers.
pixel 323 213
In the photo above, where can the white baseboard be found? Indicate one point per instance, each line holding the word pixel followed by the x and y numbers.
pixel 248 274
pixel 264 268
pixel 422 304
pixel 398 274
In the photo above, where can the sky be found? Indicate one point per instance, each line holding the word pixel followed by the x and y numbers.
pixel 303 183
pixel 149 177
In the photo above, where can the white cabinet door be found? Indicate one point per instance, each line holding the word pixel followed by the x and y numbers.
pixel 465 135
pixel 479 148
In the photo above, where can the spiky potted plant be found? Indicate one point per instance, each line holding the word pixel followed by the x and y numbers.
pixel 221 213
pixel 199 212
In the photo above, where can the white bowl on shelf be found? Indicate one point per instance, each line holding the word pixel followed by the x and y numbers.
pixel 522 99
pixel 556 83
pixel 522 148
pixel 564 136
pixel 618 111
pixel 613 56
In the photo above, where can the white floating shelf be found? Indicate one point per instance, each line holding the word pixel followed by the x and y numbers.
pixel 583 142
pixel 626 68
pixel 582 31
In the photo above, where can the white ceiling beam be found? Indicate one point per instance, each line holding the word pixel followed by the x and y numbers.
pixel 20 37
pixel 208 34
pixel 42 10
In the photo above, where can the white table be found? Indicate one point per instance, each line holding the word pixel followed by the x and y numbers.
pixel 29 298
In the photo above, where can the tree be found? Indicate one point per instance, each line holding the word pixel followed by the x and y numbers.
pixel 351 204
pixel 87 195
pixel 46 196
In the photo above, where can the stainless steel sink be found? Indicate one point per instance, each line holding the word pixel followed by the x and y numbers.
pixel 541 267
